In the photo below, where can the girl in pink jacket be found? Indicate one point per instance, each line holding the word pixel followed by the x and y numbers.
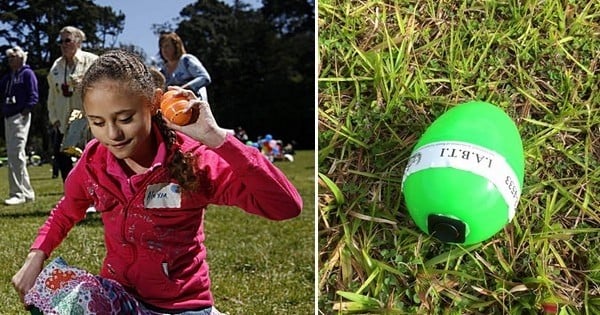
pixel 151 180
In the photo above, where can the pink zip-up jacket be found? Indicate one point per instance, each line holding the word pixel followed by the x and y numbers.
pixel 153 231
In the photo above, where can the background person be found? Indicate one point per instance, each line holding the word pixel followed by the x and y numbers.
pixel 180 68
pixel 63 95
pixel 19 90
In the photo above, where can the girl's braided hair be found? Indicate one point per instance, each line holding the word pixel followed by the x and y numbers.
pixel 128 68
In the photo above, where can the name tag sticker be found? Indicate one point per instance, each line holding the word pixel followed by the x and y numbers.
pixel 471 158
pixel 163 195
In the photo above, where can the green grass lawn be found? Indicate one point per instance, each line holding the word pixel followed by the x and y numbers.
pixel 387 70
pixel 257 266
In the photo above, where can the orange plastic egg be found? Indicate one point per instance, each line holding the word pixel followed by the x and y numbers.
pixel 174 108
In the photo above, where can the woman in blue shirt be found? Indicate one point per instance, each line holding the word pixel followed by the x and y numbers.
pixel 180 68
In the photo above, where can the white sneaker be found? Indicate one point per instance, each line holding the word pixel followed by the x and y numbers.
pixel 13 201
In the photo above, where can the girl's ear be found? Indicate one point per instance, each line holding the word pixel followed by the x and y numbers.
pixel 158 93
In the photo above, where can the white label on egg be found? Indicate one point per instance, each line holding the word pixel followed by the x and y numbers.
pixel 471 158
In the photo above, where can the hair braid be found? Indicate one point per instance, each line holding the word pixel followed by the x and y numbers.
pixel 181 165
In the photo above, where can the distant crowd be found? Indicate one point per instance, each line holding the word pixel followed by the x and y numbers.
pixel 273 149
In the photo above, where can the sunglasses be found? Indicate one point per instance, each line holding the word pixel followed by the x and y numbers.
pixel 64 41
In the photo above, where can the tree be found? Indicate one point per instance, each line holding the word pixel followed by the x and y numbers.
pixel 261 60
pixel 34 25
pixel 290 16
pixel 291 56
pixel 262 68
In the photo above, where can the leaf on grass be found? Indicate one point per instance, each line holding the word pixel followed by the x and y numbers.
pixel 451 254
pixel 359 300
pixel 481 290
pixel 519 288
pixel 339 197
pixel 370 218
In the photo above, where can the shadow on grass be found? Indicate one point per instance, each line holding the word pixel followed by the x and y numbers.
pixel 42 179
pixel 91 220
pixel 30 214
pixel 57 193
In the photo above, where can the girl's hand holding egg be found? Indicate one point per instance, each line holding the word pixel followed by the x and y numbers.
pixel 185 113
pixel 174 107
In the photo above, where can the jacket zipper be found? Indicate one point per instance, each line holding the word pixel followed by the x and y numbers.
pixel 156 173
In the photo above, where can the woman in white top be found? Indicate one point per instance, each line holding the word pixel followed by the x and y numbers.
pixel 180 68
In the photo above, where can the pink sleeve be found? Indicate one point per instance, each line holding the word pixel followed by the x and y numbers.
pixel 243 177
pixel 68 212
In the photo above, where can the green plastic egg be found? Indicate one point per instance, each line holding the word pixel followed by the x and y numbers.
pixel 463 180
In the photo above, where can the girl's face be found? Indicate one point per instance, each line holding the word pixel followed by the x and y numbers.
pixel 120 120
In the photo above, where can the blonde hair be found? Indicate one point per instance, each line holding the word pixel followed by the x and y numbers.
pixel 17 51
pixel 78 34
